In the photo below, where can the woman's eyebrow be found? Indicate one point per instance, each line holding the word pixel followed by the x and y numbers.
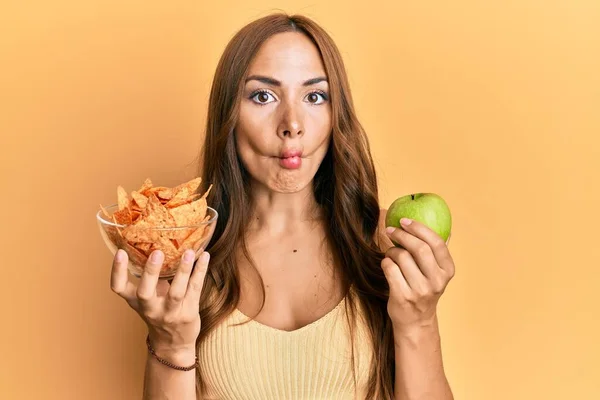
pixel 274 82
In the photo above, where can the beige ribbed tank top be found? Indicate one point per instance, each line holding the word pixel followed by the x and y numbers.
pixel 256 362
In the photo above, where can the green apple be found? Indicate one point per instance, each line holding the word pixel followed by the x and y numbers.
pixel 428 208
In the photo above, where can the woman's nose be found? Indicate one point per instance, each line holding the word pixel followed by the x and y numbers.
pixel 291 123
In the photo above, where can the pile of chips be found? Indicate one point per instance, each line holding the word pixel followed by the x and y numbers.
pixel 172 220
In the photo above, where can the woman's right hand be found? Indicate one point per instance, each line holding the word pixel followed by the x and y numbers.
pixel 171 311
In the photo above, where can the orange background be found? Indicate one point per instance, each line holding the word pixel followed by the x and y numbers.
pixel 492 104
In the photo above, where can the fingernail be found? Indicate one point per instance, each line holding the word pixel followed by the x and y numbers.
pixel 156 256
pixel 405 221
pixel 188 256
pixel 120 256
pixel 389 229
pixel 204 257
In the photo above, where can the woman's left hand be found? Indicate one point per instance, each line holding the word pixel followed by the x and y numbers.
pixel 417 272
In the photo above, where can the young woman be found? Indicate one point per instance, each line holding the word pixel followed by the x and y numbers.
pixel 304 296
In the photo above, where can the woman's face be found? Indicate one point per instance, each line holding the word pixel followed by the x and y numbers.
pixel 284 124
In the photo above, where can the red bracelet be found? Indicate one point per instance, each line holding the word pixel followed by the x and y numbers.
pixel 168 364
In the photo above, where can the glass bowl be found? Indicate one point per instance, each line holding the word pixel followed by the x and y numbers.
pixel 173 242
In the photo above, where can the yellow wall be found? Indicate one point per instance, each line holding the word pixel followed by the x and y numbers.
pixel 493 104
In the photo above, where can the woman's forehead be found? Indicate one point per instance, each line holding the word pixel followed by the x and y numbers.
pixel 288 57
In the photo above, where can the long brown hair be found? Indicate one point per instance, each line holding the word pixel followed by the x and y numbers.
pixel 345 186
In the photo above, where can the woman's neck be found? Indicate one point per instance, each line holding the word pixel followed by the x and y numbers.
pixel 279 213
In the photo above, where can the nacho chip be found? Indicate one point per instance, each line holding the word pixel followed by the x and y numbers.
pixel 135 235
pixel 194 240
pixel 165 194
pixel 141 232
pixel 189 214
pixel 136 256
pixel 172 255
pixel 182 192
pixel 153 190
pixel 122 198
pixel 140 200
pixel 106 213
pixel 157 215
pixel 144 248
pixel 179 235
pixel 173 203
pixel 123 217
pixel 135 215
pixel 145 186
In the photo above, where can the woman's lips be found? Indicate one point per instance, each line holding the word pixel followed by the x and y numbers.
pixel 288 153
pixel 290 158
pixel 290 162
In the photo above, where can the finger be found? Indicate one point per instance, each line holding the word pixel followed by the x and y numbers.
pixel 196 283
pixel 394 276
pixel 181 279
pixel 119 277
pixel 435 242
pixel 410 270
pixel 420 251
pixel 147 289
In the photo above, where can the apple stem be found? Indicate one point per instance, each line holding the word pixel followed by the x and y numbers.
pixel 412 196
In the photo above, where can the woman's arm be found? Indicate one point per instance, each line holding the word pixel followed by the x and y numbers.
pixel 416 283
pixel 171 312
pixel 419 367
pixel 162 382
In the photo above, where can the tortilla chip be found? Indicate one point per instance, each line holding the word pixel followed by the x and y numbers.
pixel 153 190
pixel 136 256
pixel 106 213
pixel 135 215
pixel 145 186
pixel 122 198
pixel 140 232
pixel 189 214
pixel 123 217
pixel 194 239
pixel 171 253
pixel 165 194
pixel 144 247
pixel 140 200
pixel 173 203
pixel 183 191
pixel 157 215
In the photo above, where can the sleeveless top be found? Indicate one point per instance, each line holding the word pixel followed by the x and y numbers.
pixel 257 362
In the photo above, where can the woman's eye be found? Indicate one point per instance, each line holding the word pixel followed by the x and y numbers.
pixel 316 98
pixel 263 98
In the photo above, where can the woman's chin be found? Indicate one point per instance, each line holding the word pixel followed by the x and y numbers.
pixel 288 183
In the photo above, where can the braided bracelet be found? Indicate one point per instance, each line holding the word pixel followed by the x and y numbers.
pixel 168 364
